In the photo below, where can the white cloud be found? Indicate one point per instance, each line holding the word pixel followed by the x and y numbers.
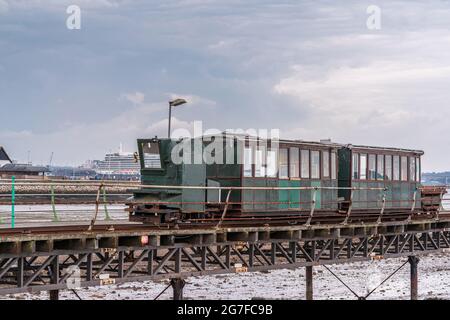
pixel 380 94
pixel 136 97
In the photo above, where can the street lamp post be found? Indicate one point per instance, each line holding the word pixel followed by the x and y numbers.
pixel 174 103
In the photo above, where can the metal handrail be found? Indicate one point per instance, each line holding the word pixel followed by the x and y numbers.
pixel 97 183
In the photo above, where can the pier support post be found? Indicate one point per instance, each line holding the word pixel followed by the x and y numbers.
pixel 309 283
pixel 54 275
pixel 54 295
pixel 413 261
pixel 177 286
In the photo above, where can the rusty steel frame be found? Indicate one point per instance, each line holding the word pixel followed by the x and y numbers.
pixel 40 271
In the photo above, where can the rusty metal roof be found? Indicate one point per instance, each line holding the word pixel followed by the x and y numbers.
pixel 321 143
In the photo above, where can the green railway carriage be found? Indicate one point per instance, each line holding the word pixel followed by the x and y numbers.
pixel 158 168
pixel 396 170
pixel 261 171
pixel 241 161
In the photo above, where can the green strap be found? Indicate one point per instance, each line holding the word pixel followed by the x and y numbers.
pixel 55 215
pixel 13 202
pixel 107 217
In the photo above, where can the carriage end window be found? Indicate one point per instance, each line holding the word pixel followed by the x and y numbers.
pixel 152 159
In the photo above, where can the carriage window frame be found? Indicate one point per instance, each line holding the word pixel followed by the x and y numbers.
pixel 155 163
pixel 412 168
pixel 396 168
pixel 380 167
pixel 271 163
pixel 404 168
pixel 280 169
pixel 260 162
pixel 355 166
pixel 363 166
pixel 305 166
pixel 247 168
pixel 294 162
pixel 333 165
pixel 371 166
pixel 325 162
pixel 388 169
pixel 315 156
pixel 418 169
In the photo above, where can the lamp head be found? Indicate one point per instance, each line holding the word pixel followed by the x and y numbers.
pixel 177 102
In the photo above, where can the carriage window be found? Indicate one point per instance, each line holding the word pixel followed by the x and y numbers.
pixel 326 164
pixel 315 165
pixel 388 167
pixel 355 165
pixel 152 159
pixel 283 163
pixel 304 154
pixel 271 163
pixel 418 171
pixel 404 168
pixel 380 167
pixel 248 156
pixel 260 165
pixel 294 163
pixel 363 171
pixel 396 166
pixel 333 165
pixel 412 169
pixel 372 166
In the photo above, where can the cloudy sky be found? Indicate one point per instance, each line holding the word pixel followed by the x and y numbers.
pixel 310 68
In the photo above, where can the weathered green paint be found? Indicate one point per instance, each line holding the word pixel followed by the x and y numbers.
pixel 318 194
pixel 105 205
pixel 223 174
pixel 55 215
pixel 399 194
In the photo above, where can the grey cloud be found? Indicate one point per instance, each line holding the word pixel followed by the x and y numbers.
pixel 310 68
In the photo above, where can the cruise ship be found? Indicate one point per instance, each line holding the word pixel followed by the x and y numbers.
pixel 118 163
